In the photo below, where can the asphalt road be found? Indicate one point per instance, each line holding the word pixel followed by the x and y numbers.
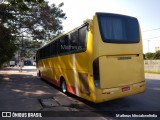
pixel 22 91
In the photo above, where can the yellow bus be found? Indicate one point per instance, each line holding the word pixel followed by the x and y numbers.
pixel 99 61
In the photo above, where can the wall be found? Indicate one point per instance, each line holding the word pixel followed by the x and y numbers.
pixel 152 65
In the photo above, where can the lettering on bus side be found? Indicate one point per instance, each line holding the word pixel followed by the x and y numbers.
pixel 70 43
pixel 124 58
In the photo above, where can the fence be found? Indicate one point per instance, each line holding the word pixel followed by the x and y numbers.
pixel 152 65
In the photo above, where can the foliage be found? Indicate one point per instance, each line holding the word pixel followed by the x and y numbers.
pixel 152 56
pixel 7 48
pixel 157 55
pixel 40 22
pixel 33 20
pixel 149 56
pixel 30 47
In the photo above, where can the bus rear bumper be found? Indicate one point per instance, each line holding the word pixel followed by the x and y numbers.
pixel 119 92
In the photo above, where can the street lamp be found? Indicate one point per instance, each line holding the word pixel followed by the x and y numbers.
pixel 148 44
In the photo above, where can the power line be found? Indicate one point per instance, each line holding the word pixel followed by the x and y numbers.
pixel 151 30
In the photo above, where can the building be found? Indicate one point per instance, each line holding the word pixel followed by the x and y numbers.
pixel 157 48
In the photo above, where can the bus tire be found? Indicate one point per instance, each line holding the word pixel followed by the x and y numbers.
pixel 63 86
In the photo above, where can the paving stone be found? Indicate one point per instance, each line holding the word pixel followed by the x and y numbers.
pixel 49 102
pixel 64 101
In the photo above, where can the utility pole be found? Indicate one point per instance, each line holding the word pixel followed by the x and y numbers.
pixel 148 44
pixel 21 56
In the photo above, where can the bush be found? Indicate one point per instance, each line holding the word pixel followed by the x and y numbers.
pixel 152 56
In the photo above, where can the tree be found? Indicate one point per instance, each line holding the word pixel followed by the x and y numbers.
pixel 149 56
pixel 7 46
pixel 31 19
pixel 47 22
pixel 157 55
pixel 40 22
pixel 30 47
pixel 152 56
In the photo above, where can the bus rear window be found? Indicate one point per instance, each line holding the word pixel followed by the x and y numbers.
pixel 118 28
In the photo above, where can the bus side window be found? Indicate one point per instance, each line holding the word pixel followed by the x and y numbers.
pixel 74 41
pixel 56 48
pixel 45 52
pixel 49 50
pixel 82 37
pixel 64 44
pixel 59 44
pixel 42 53
pixel 37 55
pixel 53 48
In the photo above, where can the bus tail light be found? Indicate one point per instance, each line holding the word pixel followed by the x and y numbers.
pixel 96 73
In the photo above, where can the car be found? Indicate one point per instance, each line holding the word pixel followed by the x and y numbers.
pixel 12 63
pixel 34 63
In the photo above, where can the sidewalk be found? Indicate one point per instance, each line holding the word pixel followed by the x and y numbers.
pixel 152 76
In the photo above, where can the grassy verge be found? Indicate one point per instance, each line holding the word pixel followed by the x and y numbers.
pixel 152 72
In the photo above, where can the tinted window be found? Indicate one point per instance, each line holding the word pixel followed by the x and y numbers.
pixel 53 49
pixel 37 55
pixel 63 45
pixel 118 29
pixel 74 41
pixel 42 53
pixel 82 37
pixel 45 52
pixel 48 51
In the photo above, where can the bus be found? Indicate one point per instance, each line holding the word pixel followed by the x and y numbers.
pixel 99 61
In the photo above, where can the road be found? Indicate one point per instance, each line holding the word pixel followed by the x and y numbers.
pixel 148 101
pixel 24 91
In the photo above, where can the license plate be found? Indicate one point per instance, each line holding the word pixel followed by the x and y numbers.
pixel 125 89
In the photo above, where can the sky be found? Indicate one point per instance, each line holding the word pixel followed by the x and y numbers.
pixel 146 11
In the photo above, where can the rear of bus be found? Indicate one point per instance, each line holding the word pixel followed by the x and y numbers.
pixel 118 68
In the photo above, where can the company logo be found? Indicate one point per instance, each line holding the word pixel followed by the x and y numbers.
pixel 21 114
pixel 6 114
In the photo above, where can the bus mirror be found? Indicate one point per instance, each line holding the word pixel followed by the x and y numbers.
pixel 89 25
pixel 87 22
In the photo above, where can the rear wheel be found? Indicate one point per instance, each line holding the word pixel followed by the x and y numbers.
pixel 63 86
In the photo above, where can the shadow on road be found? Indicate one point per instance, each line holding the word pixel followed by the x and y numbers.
pixel 22 91
pixel 147 101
